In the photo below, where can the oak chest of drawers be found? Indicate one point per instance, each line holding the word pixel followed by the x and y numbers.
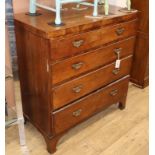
pixel 68 73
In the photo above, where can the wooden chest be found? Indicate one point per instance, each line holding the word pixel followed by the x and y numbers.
pixel 68 73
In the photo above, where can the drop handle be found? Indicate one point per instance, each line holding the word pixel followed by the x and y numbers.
pixel 115 71
pixel 120 31
pixel 77 66
pixel 77 113
pixel 114 92
pixel 117 51
pixel 77 89
pixel 78 43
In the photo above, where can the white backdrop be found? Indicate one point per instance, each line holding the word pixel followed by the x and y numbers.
pixel 118 2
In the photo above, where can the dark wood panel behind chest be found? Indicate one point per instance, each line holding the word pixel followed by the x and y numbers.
pixel 140 69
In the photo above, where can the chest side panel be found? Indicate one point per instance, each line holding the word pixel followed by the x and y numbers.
pixel 32 54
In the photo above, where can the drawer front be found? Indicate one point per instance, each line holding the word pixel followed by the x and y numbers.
pixel 91 60
pixel 69 46
pixel 83 85
pixel 69 116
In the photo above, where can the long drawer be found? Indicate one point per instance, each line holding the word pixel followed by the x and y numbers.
pixel 69 46
pixel 83 85
pixel 69 116
pixel 87 61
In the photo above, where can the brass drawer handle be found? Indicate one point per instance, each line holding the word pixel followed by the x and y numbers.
pixel 77 65
pixel 77 113
pixel 115 71
pixel 117 50
pixel 77 43
pixel 120 31
pixel 77 89
pixel 114 92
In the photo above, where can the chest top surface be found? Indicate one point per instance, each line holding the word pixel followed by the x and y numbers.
pixel 75 21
